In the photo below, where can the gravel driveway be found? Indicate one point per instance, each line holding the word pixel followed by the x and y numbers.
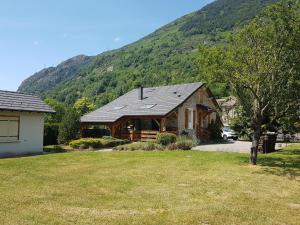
pixel 230 146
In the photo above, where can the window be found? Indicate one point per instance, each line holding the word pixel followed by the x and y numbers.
pixel 148 106
pixel 9 128
pixel 189 119
pixel 119 107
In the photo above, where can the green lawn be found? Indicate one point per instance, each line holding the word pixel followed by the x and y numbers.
pixel 151 188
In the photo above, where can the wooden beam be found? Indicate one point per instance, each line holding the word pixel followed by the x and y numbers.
pixel 113 130
pixel 163 125
pixel 158 123
pixel 82 127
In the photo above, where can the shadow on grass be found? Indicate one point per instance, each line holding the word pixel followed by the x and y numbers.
pixel 282 163
pixel 12 156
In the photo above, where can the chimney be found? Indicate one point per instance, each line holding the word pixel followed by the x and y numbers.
pixel 140 93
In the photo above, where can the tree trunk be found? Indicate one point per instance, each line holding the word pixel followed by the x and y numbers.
pixel 256 125
pixel 255 143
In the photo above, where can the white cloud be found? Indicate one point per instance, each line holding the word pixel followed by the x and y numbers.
pixel 117 39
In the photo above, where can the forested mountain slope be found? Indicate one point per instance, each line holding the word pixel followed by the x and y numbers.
pixel 164 57
pixel 50 77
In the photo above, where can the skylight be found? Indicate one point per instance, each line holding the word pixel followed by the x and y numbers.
pixel 148 106
pixel 119 107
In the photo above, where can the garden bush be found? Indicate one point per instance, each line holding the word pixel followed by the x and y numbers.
pixel 166 138
pixel 54 149
pixel 143 146
pixel 183 143
pixel 96 143
pixel 172 146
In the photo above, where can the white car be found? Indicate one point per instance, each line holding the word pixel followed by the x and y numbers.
pixel 227 133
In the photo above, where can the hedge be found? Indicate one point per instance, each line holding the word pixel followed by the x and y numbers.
pixel 166 138
pixel 106 142
pixel 183 143
pixel 139 146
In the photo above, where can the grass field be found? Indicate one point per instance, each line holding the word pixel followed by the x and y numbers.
pixel 151 188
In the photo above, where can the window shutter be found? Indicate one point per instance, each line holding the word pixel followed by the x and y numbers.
pixel 186 119
pixel 194 119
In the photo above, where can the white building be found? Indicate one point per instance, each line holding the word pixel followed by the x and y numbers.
pixel 21 123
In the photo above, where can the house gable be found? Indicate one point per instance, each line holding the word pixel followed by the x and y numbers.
pixel 203 97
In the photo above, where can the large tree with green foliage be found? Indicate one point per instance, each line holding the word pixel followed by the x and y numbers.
pixel 59 111
pixel 83 106
pixel 261 65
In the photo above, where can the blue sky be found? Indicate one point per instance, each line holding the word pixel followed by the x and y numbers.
pixel 35 34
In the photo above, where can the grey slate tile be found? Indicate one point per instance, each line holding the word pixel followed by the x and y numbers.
pixel 14 101
pixel 165 99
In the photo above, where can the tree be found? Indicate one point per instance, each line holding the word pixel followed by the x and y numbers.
pixel 83 106
pixel 52 121
pixel 261 65
pixel 69 127
pixel 215 131
pixel 59 109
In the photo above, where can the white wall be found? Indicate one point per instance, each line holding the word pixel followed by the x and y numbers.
pixel 30 135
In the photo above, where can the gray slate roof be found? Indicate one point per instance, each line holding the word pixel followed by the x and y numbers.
pixel 163 99
pixel 13 101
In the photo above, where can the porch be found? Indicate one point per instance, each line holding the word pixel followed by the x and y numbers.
pixel 206 115
pixel 133 128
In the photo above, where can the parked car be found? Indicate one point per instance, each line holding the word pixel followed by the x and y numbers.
pixel 228 133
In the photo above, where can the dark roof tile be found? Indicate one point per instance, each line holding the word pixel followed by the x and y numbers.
pixel 165 99
pixel 14 101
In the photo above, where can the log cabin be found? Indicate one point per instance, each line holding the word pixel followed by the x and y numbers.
pixel 143 112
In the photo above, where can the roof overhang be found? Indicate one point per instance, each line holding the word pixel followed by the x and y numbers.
pixel 123 117
pixel 28 111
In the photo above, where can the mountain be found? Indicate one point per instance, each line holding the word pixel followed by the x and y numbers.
pixel 166 56
pixel 49 78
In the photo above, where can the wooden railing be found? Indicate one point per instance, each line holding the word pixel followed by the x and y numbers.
pixel 143 135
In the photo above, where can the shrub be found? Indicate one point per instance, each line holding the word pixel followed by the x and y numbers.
pixel 51 133
pixel 172 146
pixel 85 143
pixel 96 143
pixel 54 148
pixel 185 143
pixel 166 138
pixel 108 137
pixel 143 146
